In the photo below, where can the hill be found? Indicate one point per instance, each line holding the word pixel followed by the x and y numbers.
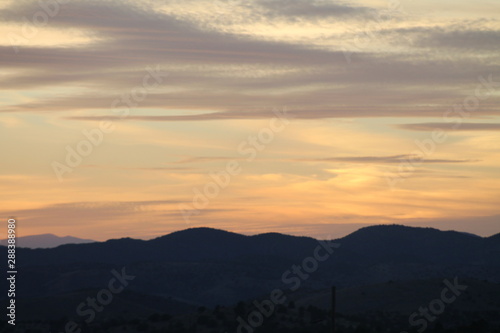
pixel 207 267
pixel 46 241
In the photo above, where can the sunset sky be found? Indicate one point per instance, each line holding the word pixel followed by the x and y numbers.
pixel 331 115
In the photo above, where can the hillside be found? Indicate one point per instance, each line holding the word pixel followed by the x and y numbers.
pixel 46 241
pixel 208 267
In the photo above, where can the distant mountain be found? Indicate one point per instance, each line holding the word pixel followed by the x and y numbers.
pixel 495 237
pixel 46 241
pixel 396 243
pixel 197 244
pixel 203 266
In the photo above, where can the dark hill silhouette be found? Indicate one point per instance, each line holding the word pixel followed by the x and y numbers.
pixel 209 266
pixel 495 238
pixel 128 302
pixel 398 243
pixel 386 243
pixel 188 245
pixel 46 241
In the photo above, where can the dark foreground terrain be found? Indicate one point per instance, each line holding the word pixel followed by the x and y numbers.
pixel 388 278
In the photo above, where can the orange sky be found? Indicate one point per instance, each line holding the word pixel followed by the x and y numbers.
pixel 133 119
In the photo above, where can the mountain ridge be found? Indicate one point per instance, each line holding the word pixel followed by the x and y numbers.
pixel 209 266
pixel 47 240
pixel 374 243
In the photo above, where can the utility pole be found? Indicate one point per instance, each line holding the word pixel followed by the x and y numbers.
pixel 334 300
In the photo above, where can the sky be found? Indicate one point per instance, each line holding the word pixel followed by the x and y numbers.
pixel 305 117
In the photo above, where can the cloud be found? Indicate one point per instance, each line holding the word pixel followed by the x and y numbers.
pixel 199 159
pixel 383 159
pixel 132 35
pixel 90 212
pixel 228 95
pixel 473 40
pixel 109 205
pixel 93 166
pixel 314 112
pixel 466 37
pixel 210 69
pixel 428 127
pixel 312 9
pixel 102 220
pixel 285 54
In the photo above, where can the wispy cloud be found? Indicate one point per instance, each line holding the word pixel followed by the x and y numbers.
pixel 450 126
pixel 313 9
pixel 200 159
pixel 454 38
pixel 93 166
pixel 384 159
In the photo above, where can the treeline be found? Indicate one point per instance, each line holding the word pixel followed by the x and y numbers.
pixel 287 318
